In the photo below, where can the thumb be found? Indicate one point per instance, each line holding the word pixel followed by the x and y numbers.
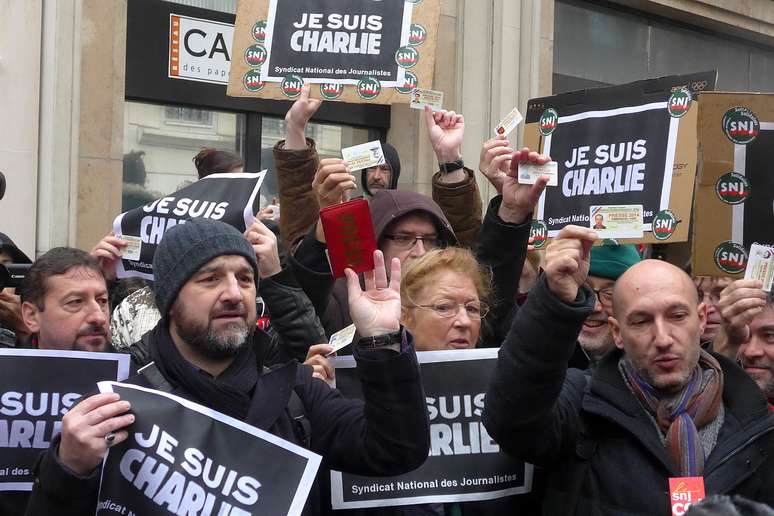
pixel 429 120
pixel 587 245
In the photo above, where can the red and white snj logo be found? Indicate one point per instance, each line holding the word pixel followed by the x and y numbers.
pixel 683 492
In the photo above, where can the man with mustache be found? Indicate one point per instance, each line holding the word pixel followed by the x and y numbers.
pixel 748 321
pixel 205 349
pixel 65 301
pixel 657 407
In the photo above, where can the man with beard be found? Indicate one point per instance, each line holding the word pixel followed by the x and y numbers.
pixel 595 339
pixel 203 350
pixel 65 301
pixel 656 407
pixel 748 321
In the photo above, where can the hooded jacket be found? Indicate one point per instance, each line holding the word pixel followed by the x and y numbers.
pixel 310 265
pixel 393 160
pixel 601 451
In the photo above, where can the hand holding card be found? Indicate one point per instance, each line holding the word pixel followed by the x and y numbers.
pixel 349 234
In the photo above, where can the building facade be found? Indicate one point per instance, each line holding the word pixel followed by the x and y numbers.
pixel 84 91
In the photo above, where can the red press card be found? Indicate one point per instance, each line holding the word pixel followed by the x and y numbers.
pixel 350 235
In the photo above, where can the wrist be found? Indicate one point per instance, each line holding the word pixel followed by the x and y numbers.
pixel 513 214
pixel 266 270
pixel 370 333
pixel 445 156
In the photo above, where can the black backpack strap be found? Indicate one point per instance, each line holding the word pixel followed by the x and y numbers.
pixel 155 378
pixel 302 427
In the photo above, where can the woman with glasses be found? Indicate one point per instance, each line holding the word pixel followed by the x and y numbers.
pixel 442 296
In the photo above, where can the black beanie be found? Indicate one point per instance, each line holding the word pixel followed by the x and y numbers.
pixel 186 247
pixel 393 160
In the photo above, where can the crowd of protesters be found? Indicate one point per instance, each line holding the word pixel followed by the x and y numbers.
pixel 615 372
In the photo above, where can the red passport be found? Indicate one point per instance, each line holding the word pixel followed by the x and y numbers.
pixel 349 233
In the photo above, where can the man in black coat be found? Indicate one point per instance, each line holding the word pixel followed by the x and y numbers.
pixel 202 350
pixel 657 407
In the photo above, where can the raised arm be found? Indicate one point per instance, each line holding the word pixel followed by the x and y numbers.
pixel 296 160
pixel 532 404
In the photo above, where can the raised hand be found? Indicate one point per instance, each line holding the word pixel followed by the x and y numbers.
pixel 85 427
pixel 567 261
pixel 264 243
pixel 739 303
pixel 446 129
pixel 332 182
pixel 108 252
pixel 519 200
pixel 494 161
pixel 375 310
pixel 297 117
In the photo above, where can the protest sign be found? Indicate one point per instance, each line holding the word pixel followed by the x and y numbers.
pixel 184 458
pixel 37 388
pixel 633 144
pixel 231 198
pixel 465 464
pixel 734 205
pixel 349 50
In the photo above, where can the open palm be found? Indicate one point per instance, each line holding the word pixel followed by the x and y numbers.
pixel 375 310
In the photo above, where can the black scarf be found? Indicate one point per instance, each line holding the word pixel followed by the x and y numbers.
pixel 229 393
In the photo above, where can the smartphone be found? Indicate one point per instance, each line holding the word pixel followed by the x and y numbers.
pixel 349 233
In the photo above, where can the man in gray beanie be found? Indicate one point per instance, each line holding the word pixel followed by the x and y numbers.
pixel 201 350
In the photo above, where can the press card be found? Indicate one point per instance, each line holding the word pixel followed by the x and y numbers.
pixel 132 250
pixel 623 221
pixel 365 155
pixel 509 123
pixel 530 172
pixel 342 339
pixel 760 265
pixel 421 98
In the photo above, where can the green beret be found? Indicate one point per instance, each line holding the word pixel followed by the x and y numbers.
pixel 610 261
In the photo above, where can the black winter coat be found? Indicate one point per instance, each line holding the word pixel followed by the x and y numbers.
pixel 388 434
pixel 602 453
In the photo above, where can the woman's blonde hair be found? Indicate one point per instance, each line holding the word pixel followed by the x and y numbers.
pixel 418 273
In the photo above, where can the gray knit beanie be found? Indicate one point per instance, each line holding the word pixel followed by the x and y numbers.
pixel 185 248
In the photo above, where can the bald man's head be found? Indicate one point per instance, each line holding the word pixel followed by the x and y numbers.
pixel 658 322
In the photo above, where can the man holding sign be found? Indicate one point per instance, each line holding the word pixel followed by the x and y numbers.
pixel 205 291
pixel 658 412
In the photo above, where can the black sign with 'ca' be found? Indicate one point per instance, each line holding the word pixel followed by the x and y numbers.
pixel 465 464
pixel 341 41
pixel 37 388
pixel 182 458
pixel 231 198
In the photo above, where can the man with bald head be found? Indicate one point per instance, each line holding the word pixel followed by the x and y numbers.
pixel 657 407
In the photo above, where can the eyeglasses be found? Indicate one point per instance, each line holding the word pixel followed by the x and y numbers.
pixel 409 241
pixel 447 309
pixel 605 295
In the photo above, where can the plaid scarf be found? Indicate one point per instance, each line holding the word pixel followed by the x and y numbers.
pixel 680 415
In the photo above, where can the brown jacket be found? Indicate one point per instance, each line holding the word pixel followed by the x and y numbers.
pixel 460 202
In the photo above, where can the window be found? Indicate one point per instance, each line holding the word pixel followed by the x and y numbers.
pixel 161 141
pixel 187 116
pixel 598 46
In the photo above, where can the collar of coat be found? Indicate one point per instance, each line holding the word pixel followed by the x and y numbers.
pixel 746 411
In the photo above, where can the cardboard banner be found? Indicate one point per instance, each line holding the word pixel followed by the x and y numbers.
pixel 632 145
pixel 231 198
pixel 735 196
pixel 465 464
pixel 350 50
pixel 184 458
pixel 37 388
